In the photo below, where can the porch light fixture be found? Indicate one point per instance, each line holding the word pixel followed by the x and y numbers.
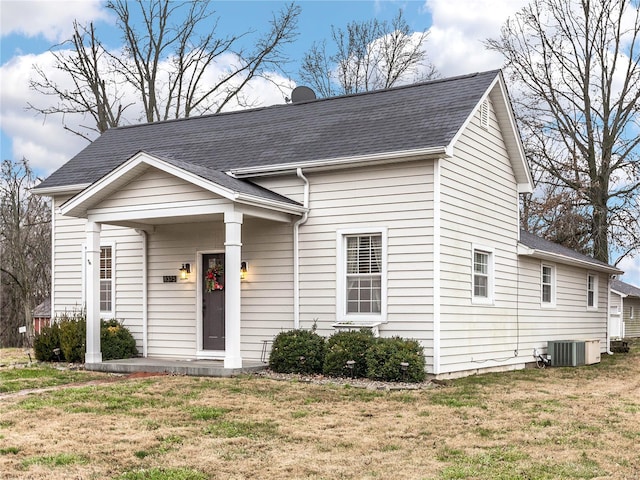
pixel 185 271
pixel 243 270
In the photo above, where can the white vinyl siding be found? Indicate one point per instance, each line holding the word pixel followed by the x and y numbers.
pixel 396 198
pixel 479 212
pixel 69 276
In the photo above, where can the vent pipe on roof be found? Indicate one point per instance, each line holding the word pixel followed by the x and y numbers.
pixel 302 94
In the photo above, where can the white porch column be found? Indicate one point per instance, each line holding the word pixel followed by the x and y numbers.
pixel 232 251
pixel 92 269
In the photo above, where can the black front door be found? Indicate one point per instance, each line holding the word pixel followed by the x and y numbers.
pixel 213 301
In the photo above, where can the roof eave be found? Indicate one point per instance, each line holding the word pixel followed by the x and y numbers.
pixel 342 162
pixel 556 257
pixel 60 190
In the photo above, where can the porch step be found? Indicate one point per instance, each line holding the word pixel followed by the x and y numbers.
pixel 195 368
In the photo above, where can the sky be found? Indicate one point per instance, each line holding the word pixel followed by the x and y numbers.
pixel 29 28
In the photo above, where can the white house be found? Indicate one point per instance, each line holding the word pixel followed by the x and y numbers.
pixel 395 209
pixel 624 310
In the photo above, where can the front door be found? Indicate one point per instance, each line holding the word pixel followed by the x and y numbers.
pixel 213 301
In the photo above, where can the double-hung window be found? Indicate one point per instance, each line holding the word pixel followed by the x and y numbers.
pixel 482 275
pixel 592 291
pixel 548 282
pixel 106 279
pixel 361 275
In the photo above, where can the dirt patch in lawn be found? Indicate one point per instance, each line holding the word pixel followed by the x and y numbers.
pixel 533 424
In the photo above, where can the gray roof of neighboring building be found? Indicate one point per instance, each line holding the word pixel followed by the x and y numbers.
pixel 626 288
pixel 43 310
pixel 538 243
pixel 399 119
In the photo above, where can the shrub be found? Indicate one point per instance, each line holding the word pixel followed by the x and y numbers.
pixel 297 351
pixel 385 356
pixel 116 341
pixel 68 333
pixel 46 342
pixel 72 336
pixel 344 346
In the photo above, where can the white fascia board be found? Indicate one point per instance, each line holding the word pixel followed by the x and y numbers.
pixel 60 190
pixel 555 257
pixel 270 204
pixel 341 162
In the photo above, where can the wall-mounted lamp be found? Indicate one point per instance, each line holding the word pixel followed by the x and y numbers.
pixel 244 266
pixel 185 271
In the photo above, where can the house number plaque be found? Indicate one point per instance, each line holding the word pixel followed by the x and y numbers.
pixel 169 278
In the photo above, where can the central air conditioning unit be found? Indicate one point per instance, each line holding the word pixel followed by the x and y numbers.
pixel 566 353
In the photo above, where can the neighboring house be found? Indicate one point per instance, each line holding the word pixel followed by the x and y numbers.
pixel 396 210
pixel 42 315
pixel 625 310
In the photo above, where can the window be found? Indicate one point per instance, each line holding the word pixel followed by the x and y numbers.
pixel 482 276
pixel 630 312
pixel 592 291
pixel 106 279
pixel 548 292
pixel 364 274
pixel 361 286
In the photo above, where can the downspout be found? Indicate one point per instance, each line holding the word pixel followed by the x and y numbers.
pixel 436 266
pixel 296 252
pixel 608 340
pixel 145 318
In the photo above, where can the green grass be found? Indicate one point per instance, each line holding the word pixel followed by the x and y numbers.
pixel 231 429
pixel 41 376
pixel 163 474
pixel 60 460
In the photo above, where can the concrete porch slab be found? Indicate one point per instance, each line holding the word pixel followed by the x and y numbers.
pixel 196 368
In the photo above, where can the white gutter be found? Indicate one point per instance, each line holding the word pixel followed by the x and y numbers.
pixel 296 252
pixel 64 189
pixel 609 352
pixel 145 315
pixel 402 155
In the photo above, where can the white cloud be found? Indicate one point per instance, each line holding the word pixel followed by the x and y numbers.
pixel 631 267
pixel 460 26
pixel 52 19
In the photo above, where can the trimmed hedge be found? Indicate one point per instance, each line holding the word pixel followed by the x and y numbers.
pixel 297 351
pixel 345 346
pixel 386 355
pixel 68 333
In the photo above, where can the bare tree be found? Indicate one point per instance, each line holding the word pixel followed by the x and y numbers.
pixel 576 69
pixel 166 62
pixel 369 55
pixel 25 250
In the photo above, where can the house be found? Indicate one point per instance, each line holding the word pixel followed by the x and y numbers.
pixel 395 210
pixel 42 315
pixel 625 309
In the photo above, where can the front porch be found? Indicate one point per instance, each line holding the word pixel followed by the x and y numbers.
pixel 195 368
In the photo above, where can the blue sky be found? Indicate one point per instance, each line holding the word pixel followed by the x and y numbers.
pixel 28 28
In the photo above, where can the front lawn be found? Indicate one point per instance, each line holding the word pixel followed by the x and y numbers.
pixel 561 423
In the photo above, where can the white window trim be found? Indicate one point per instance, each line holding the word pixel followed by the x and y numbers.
pixel 106 315
pixel 595 291
pixel 552 303
pixel 489 299
pixel 341 301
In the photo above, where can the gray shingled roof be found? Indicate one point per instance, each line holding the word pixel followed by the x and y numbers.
pixel 627 289
pixel 538 243
pixel 404 118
